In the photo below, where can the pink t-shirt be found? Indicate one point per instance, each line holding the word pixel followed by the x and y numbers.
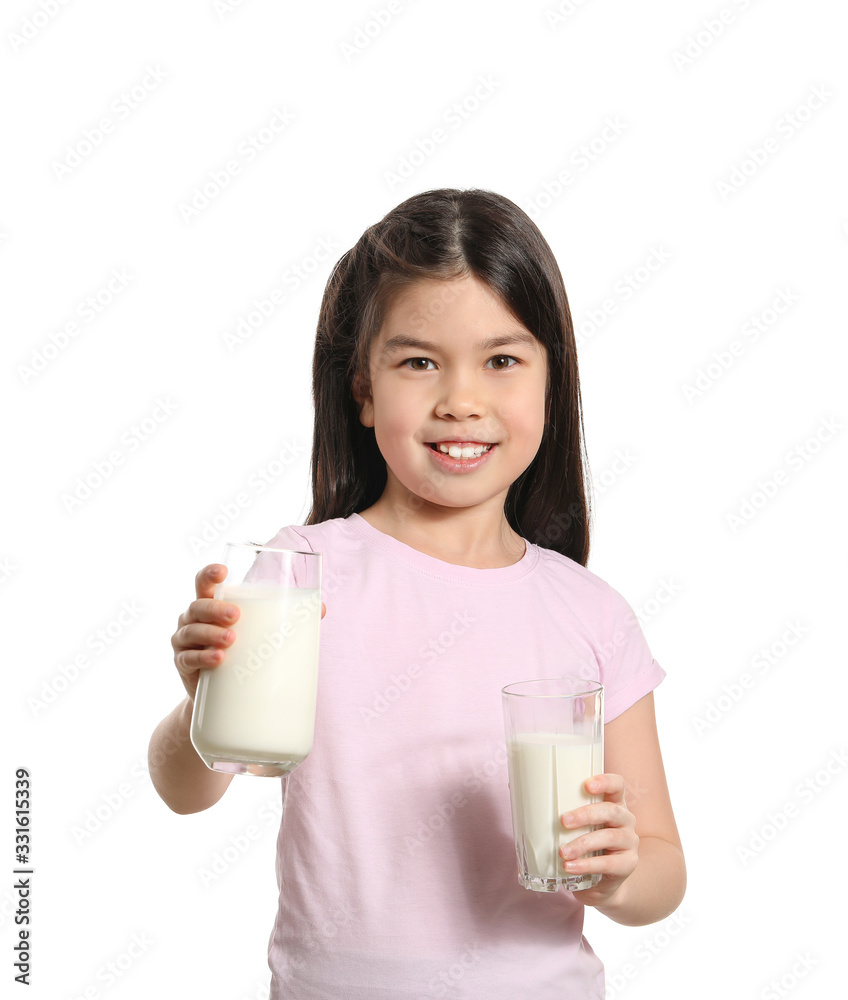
pixel 395 858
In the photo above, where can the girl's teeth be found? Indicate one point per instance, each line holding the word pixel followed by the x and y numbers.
pixel 456 452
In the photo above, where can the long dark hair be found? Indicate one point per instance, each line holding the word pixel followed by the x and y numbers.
pixel 446 234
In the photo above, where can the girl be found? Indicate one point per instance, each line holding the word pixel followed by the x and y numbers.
pixel 449 504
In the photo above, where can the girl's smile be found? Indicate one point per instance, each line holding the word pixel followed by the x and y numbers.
pixel 457 459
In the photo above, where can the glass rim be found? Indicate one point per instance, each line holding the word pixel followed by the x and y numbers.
pixel 592 688
pixel 255 546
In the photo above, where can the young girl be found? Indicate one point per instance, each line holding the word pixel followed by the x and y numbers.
pixel 449 505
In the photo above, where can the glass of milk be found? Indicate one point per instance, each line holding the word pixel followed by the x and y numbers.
pixel 555 742
pixel 255 712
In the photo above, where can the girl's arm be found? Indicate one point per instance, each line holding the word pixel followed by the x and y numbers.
pixel 644 873
pixel 183 781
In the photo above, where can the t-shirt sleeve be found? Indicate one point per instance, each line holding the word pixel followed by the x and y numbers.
pixel 289 538
pixel 628 670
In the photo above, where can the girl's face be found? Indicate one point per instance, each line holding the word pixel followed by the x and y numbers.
pixel 451 364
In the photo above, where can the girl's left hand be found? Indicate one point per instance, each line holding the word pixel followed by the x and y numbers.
pixel 617 837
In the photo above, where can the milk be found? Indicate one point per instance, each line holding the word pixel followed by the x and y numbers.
pixel 546 775
pixel 259 703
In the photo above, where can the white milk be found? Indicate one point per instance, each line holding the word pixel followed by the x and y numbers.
pixel 259 703
pixel 546 775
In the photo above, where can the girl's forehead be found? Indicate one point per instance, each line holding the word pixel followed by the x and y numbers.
pixel 429 303
pixel 439 290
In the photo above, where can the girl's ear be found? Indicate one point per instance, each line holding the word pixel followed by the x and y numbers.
pixel 364 401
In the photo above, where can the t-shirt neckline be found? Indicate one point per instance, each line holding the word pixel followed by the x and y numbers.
pixel 432 566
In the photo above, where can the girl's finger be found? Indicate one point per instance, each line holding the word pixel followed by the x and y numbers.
pixel 609 785
pixel 190 661
pixel 609 839
pixel 200 636
pixel 612 865
pixel 208 577
pixel 211 611
pixel 598 814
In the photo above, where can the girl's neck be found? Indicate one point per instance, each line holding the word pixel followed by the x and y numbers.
pixel 461 538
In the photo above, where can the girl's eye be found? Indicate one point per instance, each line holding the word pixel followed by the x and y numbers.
pixel 504 357
pixel 411 362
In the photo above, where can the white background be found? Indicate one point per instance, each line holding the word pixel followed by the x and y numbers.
pixel 677 179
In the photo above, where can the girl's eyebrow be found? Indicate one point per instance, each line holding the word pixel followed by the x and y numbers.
pixel 401 341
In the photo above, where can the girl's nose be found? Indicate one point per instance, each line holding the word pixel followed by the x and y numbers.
pixel 460 398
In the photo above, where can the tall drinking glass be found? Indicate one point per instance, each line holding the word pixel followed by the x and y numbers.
pixel 555 742
pixel 255 712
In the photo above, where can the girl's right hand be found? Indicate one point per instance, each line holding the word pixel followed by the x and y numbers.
pixel 203 631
